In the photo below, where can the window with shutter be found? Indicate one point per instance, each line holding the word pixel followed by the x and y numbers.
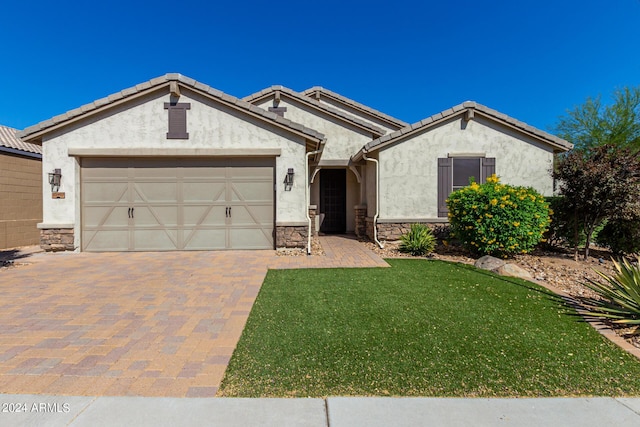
pixel 464 170
pixel 444 185
pixel 177 120
pixel 455 172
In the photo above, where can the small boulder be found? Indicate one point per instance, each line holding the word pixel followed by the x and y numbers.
pixel 489 262
pixel 513 270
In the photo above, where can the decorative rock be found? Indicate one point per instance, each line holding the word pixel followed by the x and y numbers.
pixel 512 270
pixel 291 236
pixel 490 263
pixel 56 239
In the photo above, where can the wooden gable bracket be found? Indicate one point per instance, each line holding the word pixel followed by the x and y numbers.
pixel 174 89
pixel 356 173
pixel 469 115
pixel 314 173
pixel 276 101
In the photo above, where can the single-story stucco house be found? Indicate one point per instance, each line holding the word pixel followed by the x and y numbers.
pixel 20 190
pixel 174 164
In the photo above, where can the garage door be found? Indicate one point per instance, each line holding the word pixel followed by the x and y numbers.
pixel 177 204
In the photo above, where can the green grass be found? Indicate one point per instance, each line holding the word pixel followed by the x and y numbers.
pixel 420 328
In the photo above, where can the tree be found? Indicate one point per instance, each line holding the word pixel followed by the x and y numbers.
pixel 591 124
pixel 599 183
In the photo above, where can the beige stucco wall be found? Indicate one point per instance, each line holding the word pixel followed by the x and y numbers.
pixel 143 125
pixel 343 139
pixel 20 200
pixel 408 170
pixel 353 199
pixel 370 185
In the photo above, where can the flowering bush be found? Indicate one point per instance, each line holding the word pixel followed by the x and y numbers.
pixel 498 219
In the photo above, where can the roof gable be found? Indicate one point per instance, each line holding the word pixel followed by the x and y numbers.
pixel 278 91
pixel 171 82
pixel 10 141
pixel 317 92
pixel 470 109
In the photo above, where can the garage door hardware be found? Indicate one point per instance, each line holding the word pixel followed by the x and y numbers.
pixel 228 212
pixel 131 212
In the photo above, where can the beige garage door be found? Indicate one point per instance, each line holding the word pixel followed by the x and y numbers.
pixel 177 204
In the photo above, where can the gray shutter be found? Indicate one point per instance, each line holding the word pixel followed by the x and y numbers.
pixel 488 168
pixel 445 185
pixel 177 120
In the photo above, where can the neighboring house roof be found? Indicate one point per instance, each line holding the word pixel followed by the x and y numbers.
pixel 318 91
pixel 9 142
pixel 470 108
pixel 35 133
pixel 344 117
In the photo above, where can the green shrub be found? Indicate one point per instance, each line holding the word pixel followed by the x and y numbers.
pixel 561 231
pixel 621 236
pixel 498 219
pixel 620 302
pixel 418 241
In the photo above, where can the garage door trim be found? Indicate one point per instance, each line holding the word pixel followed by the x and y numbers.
pixel 178 203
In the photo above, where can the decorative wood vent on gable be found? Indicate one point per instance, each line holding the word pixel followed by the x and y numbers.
pixel 177 119
pixel 278 110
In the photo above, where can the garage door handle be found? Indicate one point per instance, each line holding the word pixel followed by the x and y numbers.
pixel 132 209
pixel 129 213
pixel 229 212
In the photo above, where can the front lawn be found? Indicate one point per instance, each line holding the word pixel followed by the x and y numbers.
pixel 420 328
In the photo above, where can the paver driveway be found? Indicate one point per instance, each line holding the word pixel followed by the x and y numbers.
pixel 144 324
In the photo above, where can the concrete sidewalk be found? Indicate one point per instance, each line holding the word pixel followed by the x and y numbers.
pixel 40 410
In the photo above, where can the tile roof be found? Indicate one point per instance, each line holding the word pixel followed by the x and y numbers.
pixel 354 104
pixel 265 93
pixel 34 132
pixel 558 143
pixel 9 139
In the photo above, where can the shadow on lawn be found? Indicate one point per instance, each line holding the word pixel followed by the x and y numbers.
pixel 564 300
pixel 575 306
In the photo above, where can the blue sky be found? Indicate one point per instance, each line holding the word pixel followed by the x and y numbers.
pixel 409 59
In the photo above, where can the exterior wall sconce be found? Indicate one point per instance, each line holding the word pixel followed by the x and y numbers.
pixel 54 180
pixel 288 180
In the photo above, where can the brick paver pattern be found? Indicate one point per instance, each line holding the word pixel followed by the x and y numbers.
pixel 136 324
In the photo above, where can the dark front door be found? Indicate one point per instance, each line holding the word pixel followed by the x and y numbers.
pixel 333 200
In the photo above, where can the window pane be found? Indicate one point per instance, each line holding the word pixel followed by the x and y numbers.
pixel 463 169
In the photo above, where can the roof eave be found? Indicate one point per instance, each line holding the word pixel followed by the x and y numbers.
pixel 286 92
pixel 558 144
pixel 18 152
pixel 168 81
pixel 389 120
pixel 35 132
